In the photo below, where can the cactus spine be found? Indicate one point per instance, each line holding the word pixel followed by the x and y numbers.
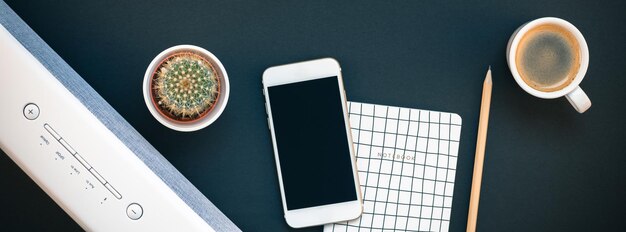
pixel 186 86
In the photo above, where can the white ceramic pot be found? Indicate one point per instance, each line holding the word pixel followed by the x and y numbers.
pixel 204 120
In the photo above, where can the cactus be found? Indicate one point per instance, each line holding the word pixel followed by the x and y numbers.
pixel 185 86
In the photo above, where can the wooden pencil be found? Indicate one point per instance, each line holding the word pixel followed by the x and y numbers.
pixel 480 153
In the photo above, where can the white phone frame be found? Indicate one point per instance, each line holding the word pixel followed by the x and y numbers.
pixel 299 72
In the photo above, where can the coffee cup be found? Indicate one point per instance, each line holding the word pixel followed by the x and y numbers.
pixel 548 58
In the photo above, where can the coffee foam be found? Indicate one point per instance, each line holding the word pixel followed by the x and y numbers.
pixel 548 57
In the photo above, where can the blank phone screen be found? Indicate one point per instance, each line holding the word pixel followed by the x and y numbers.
pixel 312 144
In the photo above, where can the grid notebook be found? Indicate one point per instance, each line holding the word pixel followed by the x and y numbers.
pixel 406 160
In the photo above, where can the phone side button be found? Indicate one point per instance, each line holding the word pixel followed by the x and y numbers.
pixel 268 124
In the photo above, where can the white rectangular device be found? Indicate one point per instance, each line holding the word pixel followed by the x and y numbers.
pixel 77 160
pixel 307 117
pixel 92 175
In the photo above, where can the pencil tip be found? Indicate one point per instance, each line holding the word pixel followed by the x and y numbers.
pixel 488 77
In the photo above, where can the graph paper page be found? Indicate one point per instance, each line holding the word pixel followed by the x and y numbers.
pixel 406 160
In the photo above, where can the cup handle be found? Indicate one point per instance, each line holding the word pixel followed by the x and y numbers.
pixel 579 100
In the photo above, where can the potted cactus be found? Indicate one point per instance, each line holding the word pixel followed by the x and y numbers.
pixel 186 88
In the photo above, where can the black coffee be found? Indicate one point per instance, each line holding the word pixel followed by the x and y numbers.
pixel 548 57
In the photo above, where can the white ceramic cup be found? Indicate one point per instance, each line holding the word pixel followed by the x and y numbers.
pixel 220 104
pixel 574 94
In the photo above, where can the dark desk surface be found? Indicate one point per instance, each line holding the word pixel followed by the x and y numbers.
pixel 547 167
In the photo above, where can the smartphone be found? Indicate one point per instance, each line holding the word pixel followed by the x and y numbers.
pixel 308 120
